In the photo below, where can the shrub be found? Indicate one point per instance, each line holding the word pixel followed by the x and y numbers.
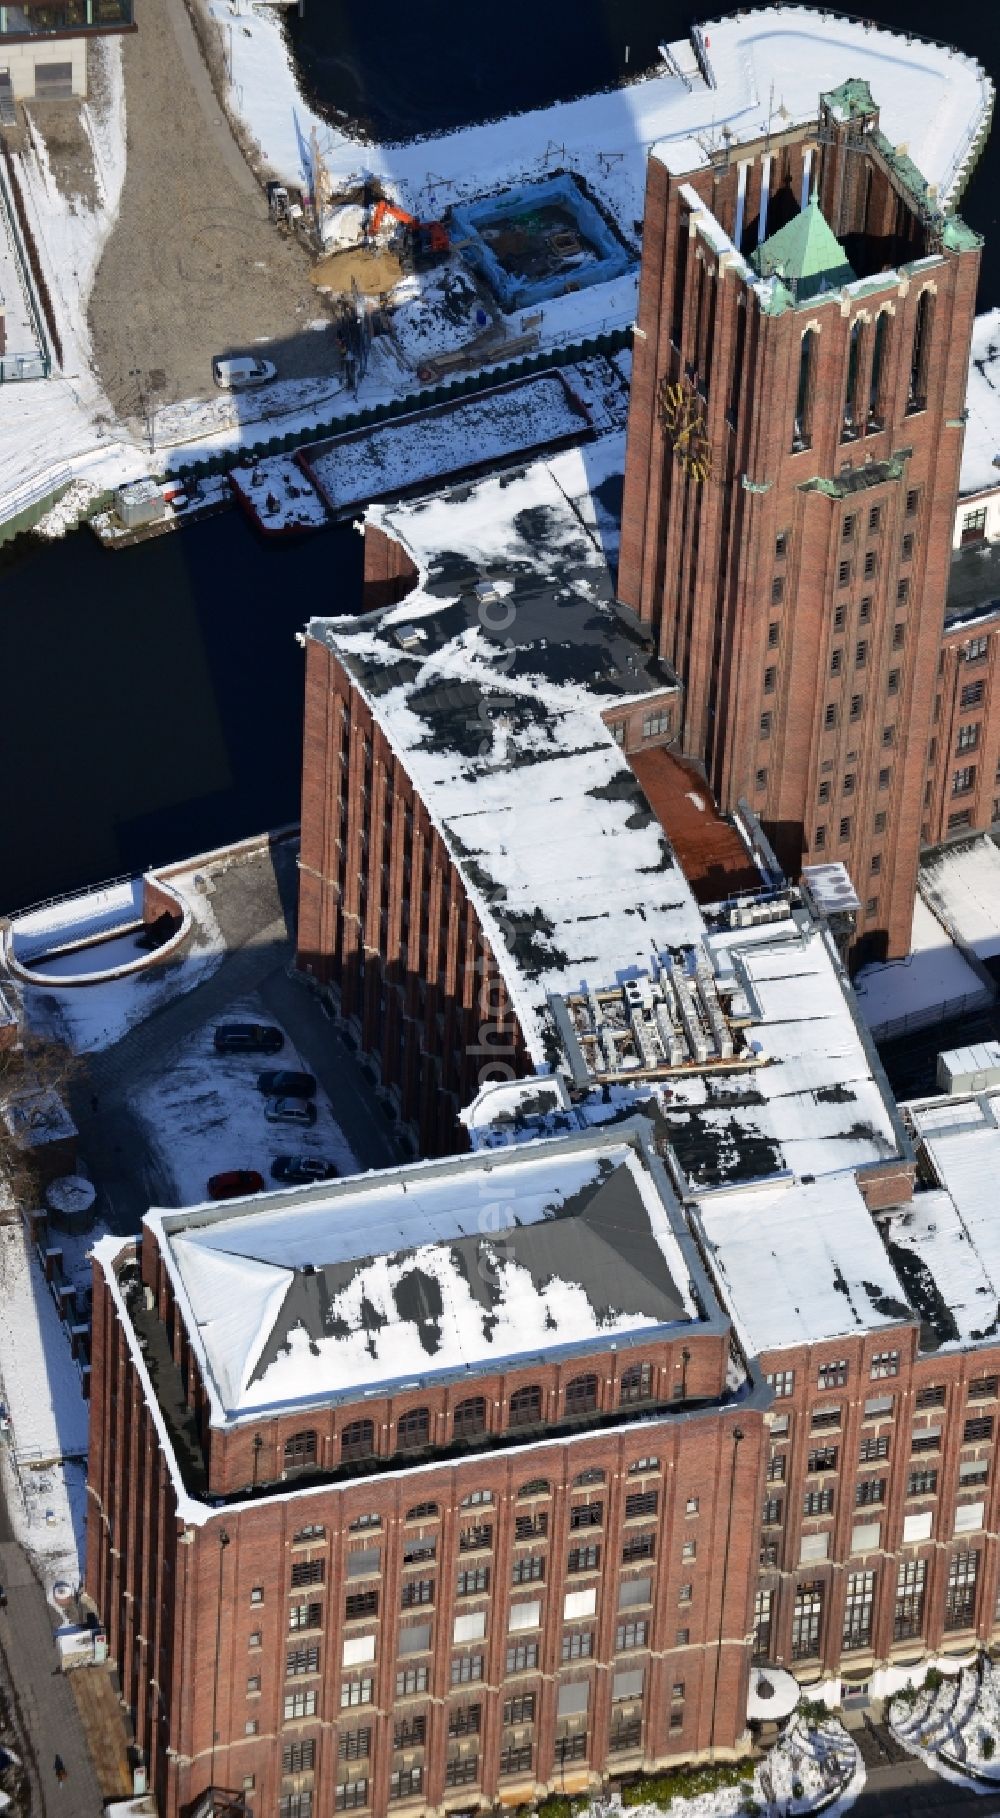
pixel 812 1711
pixel 989 1747
pixel 797 1789
pixel 933 1679
pixel 685 1783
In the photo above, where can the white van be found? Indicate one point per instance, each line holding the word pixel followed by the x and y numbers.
pixel 233 374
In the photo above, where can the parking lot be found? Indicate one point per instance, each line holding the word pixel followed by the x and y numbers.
pixel 203 1114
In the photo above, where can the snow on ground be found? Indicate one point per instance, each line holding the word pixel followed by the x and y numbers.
pixel 42 1389
pixel 87 1017
pixel 517 420
pixel 436 312
pixel 962 885
pixel 74 918
pixel 204 1114
pixel 228 414
pixel 278 495
pixel 981 448
pixel 932 98
pixel 954 1723
pixel 933 981
pixel 41 1382
pixel 802 1768
pixel 50 425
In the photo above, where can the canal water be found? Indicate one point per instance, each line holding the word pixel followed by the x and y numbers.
pixel 153 698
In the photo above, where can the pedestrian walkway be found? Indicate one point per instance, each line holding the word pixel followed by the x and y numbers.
pixel 104 1726
pixel 45 1709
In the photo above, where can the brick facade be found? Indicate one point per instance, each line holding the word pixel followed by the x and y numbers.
pixel 291 1628
pixel 799 592
pixel 962 788
pixel 386 922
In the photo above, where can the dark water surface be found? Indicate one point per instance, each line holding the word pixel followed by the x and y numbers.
pixel 153 699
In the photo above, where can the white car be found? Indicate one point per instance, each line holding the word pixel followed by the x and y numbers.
pixel 234 374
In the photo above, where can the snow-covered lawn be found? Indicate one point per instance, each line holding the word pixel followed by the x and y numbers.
pixel 518 419
pixel 934 980
pixel 953 1721
pixel 204 1115
pixel 805 1765
pixel 87 1017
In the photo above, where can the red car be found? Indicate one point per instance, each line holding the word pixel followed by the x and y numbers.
pixel 234 1183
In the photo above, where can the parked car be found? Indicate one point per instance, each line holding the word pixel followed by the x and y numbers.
pixel 234 1183
pixel 299 1170
pixel 286 1084
pixel 233 373
pixel 248 1038
pixel 290 1111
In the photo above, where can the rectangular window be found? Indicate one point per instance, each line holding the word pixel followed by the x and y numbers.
pixel 529 1569
pixel 765 725
pixel 631 1635
pixel 824 1458
pixel 845 827
pixel 972 1471
pixel 847 529
pixel 832 1375
pixel 830 715
pixel 515 1758
pixel 350 1795
pixel 884 1363
pixel 960 1597
pixel 912 502
pixel 975 650
pixel 411 1681
pixel 839 617
pixel 577 1644
pixel 776 1467
pixel 908 1616
pixel 638 1546
pixel 300 1704
pixel 922 1483
pixel 522 1659
pixel 404 1783
pixel 857 706
pixel 473 1583
pixel 926 1439
pixel 466 1669
pixel 465 1720
pixel 824 792
pixel 874 519
pixel 968 736
pixel 861 653
pixel 307 1571
pixel 898 635
pixel 760 780
pixel 843 574
pixel 586 1515
pixel 356 1691
pixel 819 837
pixel 869 1492
pixel 836 661
pixel 807 1619
pixel 931 1397
pixel 353 1745
pixel 305 1616
pixel 782 1382
pixel 869 564
pixel 972 695
pixel 963 780
pixel 770 679
pixel 358 1604
pixel 778 589
pixel 892 685
pixel 633 1592
pixel 773 634
pixel 299 1757
pixel 295 1805
pixel 583 1559
pixel 817 1502
pixel 858 1610
pixel 520 1709
pixel 984 1388
pixel 874 1448
pixel 300 1661
pixel 641 1502
pixel 771 1514
pixel 781 545
pixel 978 1429
pixel 762 1605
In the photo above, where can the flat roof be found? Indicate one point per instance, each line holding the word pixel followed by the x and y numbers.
pixel 981 445
pixel 489 681
pixel 947 1244
pixel 800 1261
pixel 341 1289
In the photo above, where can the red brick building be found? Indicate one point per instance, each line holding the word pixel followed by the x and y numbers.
pixel 374 1580
pixel 795 436
pixel 962 790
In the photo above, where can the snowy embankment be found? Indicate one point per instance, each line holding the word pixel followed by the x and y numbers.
pixel 63 426
pixel 953 1723
pixel 812 1767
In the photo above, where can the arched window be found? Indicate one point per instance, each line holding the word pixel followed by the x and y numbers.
pixel 875 411
pixel 525 1407
pixel 470 1417
pixel 584 1479
pixel 300 1450
pixel 849 426
pixel 539 1486
pixel 422 1511
pixel 413 1429
pixel 801 437
pixel 357 1440
pixel 917 393
pixel 636 1384
pixel 477 1499
pixel 581 1395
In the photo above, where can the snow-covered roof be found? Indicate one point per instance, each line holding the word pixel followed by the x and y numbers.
pixel 961 883
pixel 947 1244
pixel 338 1289
pixel 512 647
pixel 981 448
pixel 800 1261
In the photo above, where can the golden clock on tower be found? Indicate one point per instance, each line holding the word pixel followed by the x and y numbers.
pixel 682 414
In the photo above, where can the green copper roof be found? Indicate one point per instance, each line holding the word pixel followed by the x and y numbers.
pixel 805 254
pixel 957 236
pixel 852 97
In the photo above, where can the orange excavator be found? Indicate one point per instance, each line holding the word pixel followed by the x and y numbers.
pixel 431 236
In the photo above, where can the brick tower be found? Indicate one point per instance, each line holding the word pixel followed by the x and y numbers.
pixel 795 434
